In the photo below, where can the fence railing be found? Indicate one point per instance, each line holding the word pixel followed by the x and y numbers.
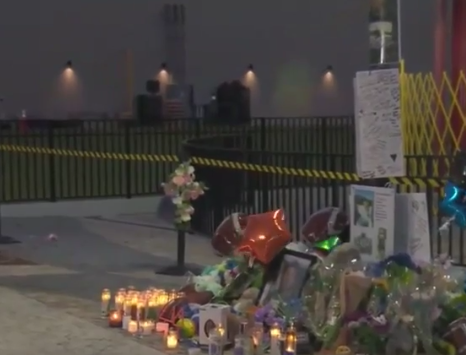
pixel 55 160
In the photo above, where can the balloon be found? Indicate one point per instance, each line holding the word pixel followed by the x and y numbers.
pixel 454 204
pixel 324 223
pixel 229 233
pixel 186 328
pixel 327 245
pixel 266 234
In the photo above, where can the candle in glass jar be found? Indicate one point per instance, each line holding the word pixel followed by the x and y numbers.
pixel 134 305
pixel 105 302
pixel 171 340
pixel 141 307
pixel 132 327
pixel 115 319
pixel 119 301
pixel 152 308
pixel 275 335
pixel 163 298
pixel 147 327
pixel 290 341
pixel 257 338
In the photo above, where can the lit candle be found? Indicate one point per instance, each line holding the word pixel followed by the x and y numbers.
pixel 141 307
pixel 133 327
pixel 134 305
pixel 171 340
pixel 152 308
pixel 290 341
pixel 275 335
pixel 216 340
pixel 147 327
pixel 257 338
pixel 115 319
pixel 125 321
pixel 106 295
pixel 163 298
pixel 127 304
pixel 119 301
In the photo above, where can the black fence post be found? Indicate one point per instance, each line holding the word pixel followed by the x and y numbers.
pixel 51 161
pixel 127 140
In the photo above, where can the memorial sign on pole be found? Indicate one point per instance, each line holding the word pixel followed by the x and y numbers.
pixel 379 141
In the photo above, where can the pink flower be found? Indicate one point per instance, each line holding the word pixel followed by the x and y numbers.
pixel 178 180
pixel 193 195
pixel 188 179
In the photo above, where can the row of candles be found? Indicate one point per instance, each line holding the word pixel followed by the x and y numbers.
pixel 281 342
pixel 136 311
pixel 251 341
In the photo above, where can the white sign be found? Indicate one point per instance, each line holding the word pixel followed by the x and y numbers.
pixel 412 226
pixel 379 143
pixel 372 212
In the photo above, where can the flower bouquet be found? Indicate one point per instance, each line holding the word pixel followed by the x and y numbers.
pixel 183 189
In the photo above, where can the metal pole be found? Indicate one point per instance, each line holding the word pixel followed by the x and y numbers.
pixel 398 16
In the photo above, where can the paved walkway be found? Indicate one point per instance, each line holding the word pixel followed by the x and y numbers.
pixel 53 307
pixel 31 327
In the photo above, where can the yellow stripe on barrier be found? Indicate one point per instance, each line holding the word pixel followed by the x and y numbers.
pixel 330 175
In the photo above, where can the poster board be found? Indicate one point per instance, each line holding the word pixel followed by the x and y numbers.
pixel 412 231
pixel 372 214
pixel 379 141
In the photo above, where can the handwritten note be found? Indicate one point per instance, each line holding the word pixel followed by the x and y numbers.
pixel 379 142
pixel 412 226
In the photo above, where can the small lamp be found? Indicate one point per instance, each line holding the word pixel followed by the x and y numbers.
pixel 171 340
pixel 163 66
pixel 329 69
pixel 69 64
pixel 250 68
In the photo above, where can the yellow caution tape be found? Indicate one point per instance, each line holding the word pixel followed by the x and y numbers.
pixel 342 176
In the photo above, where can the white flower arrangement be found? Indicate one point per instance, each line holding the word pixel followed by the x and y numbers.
pixel 183 189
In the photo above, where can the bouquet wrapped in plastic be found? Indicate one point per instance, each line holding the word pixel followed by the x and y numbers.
pixel 335 288
pixel 416 306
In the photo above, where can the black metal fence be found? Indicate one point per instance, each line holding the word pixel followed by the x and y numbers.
pixel 88 159
pixel 34 174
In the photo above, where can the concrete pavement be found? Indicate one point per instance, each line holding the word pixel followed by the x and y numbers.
pixel 31 327
pixel 55 303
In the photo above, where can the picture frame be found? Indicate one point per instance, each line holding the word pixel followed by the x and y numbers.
pixel 286 276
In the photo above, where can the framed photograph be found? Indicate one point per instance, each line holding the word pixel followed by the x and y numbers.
pixel 286 277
